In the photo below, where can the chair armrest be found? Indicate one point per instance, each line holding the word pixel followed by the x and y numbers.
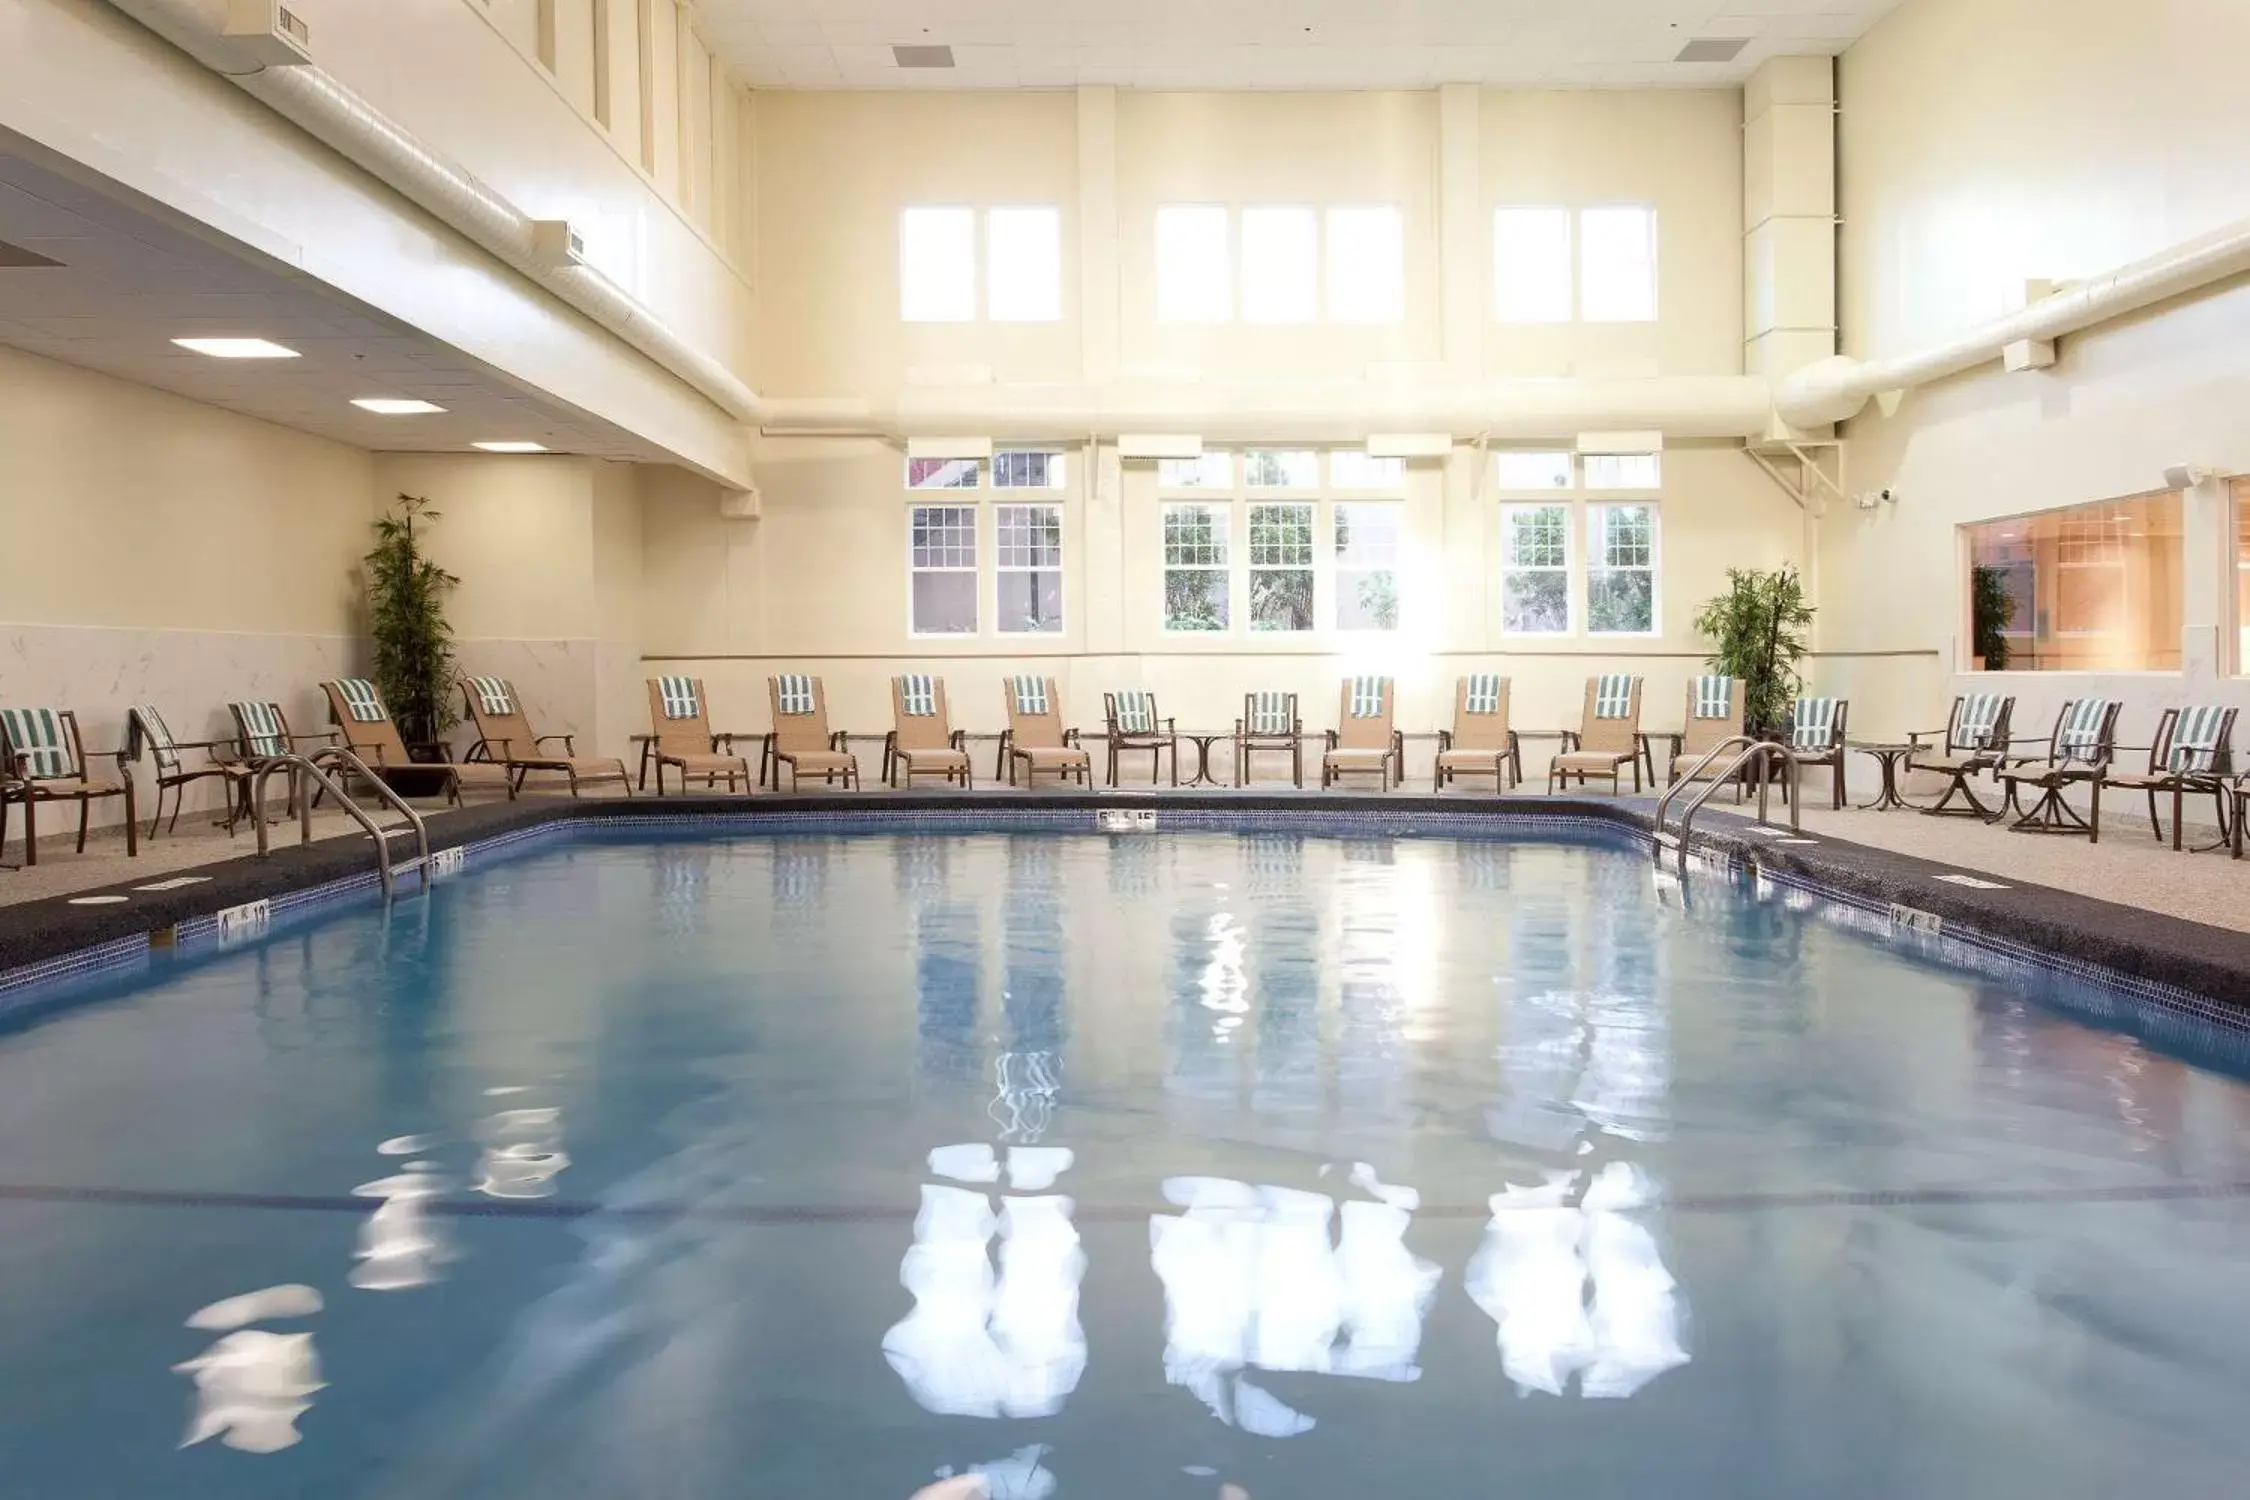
pixel 1070 737
pixel 1239 728
pixel 1171 726
pixel 1444 740
pixel 838 740
pixel 570 744
pixel 1916 736
pixel 1570 741
pixel 1329 735
pixel 959 739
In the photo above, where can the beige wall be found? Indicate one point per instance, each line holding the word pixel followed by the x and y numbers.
pixel 2059 139
pixel 170 553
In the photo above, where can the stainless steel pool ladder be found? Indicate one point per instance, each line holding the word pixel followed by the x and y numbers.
pixel 313 766
pixel 1745 750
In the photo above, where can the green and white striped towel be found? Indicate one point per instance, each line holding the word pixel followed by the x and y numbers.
pixel 1714 697
pixel 1980 718
pixel 2195 738
pixel 2082 720
pixel 1030 694
pixel 145 726
pixel 261 729
pixel 1812 724
pixel 679 697
pixel 1613 695
pixel 793 693
pixel 361 700
pixel 1270 713
pixel 1483 694
pixel 1136 712
pixel 37 734
pixel 1368 696
pixel 494 696
pixel 917 695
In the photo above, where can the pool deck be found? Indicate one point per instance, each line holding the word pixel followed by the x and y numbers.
pixel 2128 905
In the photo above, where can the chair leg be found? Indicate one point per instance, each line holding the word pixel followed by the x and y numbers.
pixel 85 814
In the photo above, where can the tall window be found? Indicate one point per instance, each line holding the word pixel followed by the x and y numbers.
pixel 1281 566
pixel 1621 570
pixel 1531 265
pixel 942 581
pixel 2087 588
pixel 1624 471
pixel 1028 541
pixel 1280 265
pixel 937 265
pixel 1366 265
pixel 1023 265
pixel 2242 576
pixel 1027 469
pixel 1281 468
pixel 1526 471
pixel 1196 567
pixel 1535 569
pixel 1617 274
pixel 1194 270
pixel 1366 565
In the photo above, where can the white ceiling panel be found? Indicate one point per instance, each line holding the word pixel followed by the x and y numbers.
pixel 1268 44
pixel 132 280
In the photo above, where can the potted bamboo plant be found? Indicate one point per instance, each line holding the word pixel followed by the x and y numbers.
pixel 1757 630
pixel 406 594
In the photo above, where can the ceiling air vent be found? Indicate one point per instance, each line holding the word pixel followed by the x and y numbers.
pixel 16 258
pixel 1708 49
pixel 270 32
pixel 923 57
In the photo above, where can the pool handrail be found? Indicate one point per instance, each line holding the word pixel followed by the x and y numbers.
pixel 1746 749
pixel 313 766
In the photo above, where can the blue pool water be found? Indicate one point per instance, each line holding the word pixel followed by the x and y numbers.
pixel 809 1165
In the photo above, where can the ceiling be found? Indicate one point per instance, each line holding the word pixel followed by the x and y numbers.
pixel 1268 44
pixel 132 278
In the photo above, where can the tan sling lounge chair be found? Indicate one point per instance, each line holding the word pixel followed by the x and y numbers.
pixel 802 740
pixel 923 741
pixel 2077 750
pixel 369 732
pixel 1036 737
pixel 681 737
pixel 1269 722
pixel 505 738
pixel 1365 738
pixel 1816 738
pixel 1608 735
pixel 42 759
pixel 1714 716
pixel 1480 742
pixel 1134 726
pixel 1975 739
pixel 2193 754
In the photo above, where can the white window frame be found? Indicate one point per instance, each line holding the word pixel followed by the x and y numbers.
pixel 1056 476
pixel 1001 567
pixel 1601 473
pixel 960 304
pixel 1394 511
pixel 1505 484
pixel 1225 507
pixel 1308 459
pixel 1207 473
pixel 975 473
pixel 944 500
pixel 1597 513
pixel 1550 311
pixel 1274 498
pixel 1589 286
pixel 1564 502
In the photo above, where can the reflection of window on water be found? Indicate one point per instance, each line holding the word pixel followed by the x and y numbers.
pixel 2081 589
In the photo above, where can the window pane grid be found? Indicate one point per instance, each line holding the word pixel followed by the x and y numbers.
pixel 1196 574
pixel 1211 471
pixel 1027 470
pixel 1028 536
pixel 941 473
pixel 945 536
pixel 1621 579
pixel 1535 569
pixel 1525 472
pixel 1266 468
pixel 1281 536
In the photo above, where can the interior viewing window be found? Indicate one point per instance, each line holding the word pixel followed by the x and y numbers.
pixel 2242 577
pixel 1281 567
pixel 937 265
pixel 1617 274
pixel 1624 471
pixel 1194 271
pixel 1280 265
pixel 1356 469
pixel 1280 469
pixel 1028 544
pixel 1531 265
pixel 1621 570
pixel 941 473
pixel 1023 265
pixel 942 561
pixel 1528 472
pixel 1211 471
pixel 1366 565
pixel 1027 469
pixel 1196 566
pixel 2088 588
pixel 1366 265
pixel 1535 569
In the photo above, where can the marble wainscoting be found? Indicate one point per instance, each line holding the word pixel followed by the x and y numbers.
pixel 555 683
pixel 99 672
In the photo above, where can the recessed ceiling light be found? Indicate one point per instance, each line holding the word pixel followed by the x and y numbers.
pixel 237 348
pixel 1712 50
pixel 395 406
pixel 922 56
pixel 510 447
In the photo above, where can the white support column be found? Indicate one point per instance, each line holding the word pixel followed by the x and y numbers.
pixel 1789 215
pixel 1463 252
pixel 1098 321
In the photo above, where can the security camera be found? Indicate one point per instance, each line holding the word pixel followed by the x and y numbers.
pixel 2185 476
pixel 1873 498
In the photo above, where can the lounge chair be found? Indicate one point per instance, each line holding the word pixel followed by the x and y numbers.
pixel 1036 736
pixel 1714 716
pixel 43 759
pixel 2192 754
pixel 681 737
pixel 145 730
pixel 1134 726
pixel 1816 738
pixel 802 740
pixel 2079 749
pixel 369 732
pixel 923 741
pixel 1608 735
pixel 1269 722
pixel 261 733
pixel 1365 737
pixel 505 738
pixel 1975 739
pixel 1480 742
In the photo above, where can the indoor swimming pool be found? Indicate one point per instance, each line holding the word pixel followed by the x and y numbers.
pixel 1317 1165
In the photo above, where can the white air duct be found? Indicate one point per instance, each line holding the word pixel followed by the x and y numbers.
pixel 340 119
pixel 1346 411
pixel 1835 390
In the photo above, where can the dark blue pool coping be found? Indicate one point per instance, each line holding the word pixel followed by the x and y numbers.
pixel 2194 974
